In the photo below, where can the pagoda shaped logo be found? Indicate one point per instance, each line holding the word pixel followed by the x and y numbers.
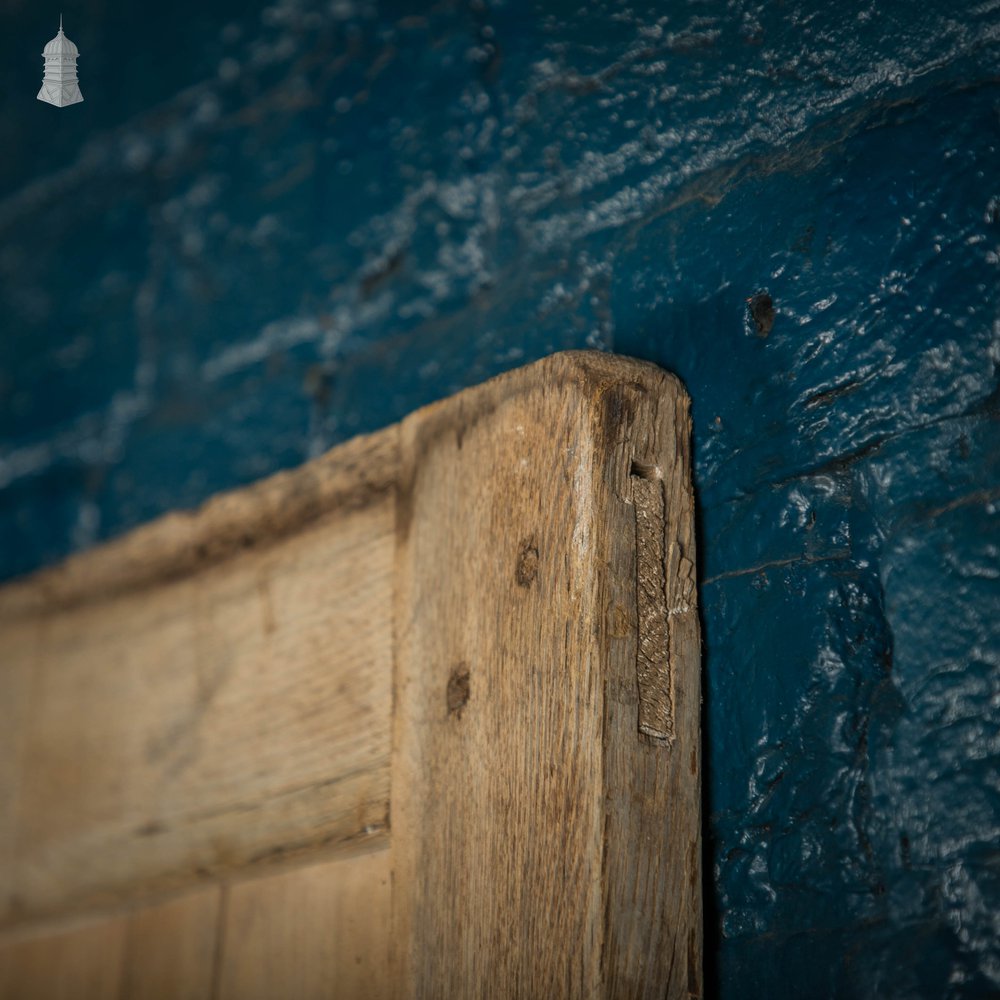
pixel 59 84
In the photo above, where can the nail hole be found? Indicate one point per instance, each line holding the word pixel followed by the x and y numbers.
pixel 644 471
pixel 458 690
pixel 527 563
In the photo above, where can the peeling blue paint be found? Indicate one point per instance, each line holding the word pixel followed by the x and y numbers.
pixel 311 218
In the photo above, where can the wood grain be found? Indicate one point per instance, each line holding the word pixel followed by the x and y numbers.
pixel 459 659
pixel 543 845
pixel 19 648
pixel 319 931
pixel 351 476
pixel 652 832
pixel 171 948
pixel 81 963
pixel 232 717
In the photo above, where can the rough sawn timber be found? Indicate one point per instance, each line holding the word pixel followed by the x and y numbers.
pixel 460 655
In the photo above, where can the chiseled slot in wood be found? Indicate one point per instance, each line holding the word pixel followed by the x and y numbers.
pixel 653 671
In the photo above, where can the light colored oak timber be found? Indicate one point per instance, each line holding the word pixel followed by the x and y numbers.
pixel 171 948
pixel 542 845
pixel 490 605
pixel 316 932
pixel 350 476
pixel 235 714
pixel 81 963
pixel 18 666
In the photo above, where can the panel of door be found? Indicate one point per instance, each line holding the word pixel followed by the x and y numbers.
pixel 417 719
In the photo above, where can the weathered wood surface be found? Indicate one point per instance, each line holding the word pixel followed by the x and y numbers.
pixel 78 963
pixel 543 846
pixel 469 642
pixel 162 950
pixel 171 948
pixel 218 720
pixel 319 931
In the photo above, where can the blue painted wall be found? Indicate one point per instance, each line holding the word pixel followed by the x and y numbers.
pixel 270 228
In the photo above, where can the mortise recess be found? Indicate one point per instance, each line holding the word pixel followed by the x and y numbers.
pixel 653 668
